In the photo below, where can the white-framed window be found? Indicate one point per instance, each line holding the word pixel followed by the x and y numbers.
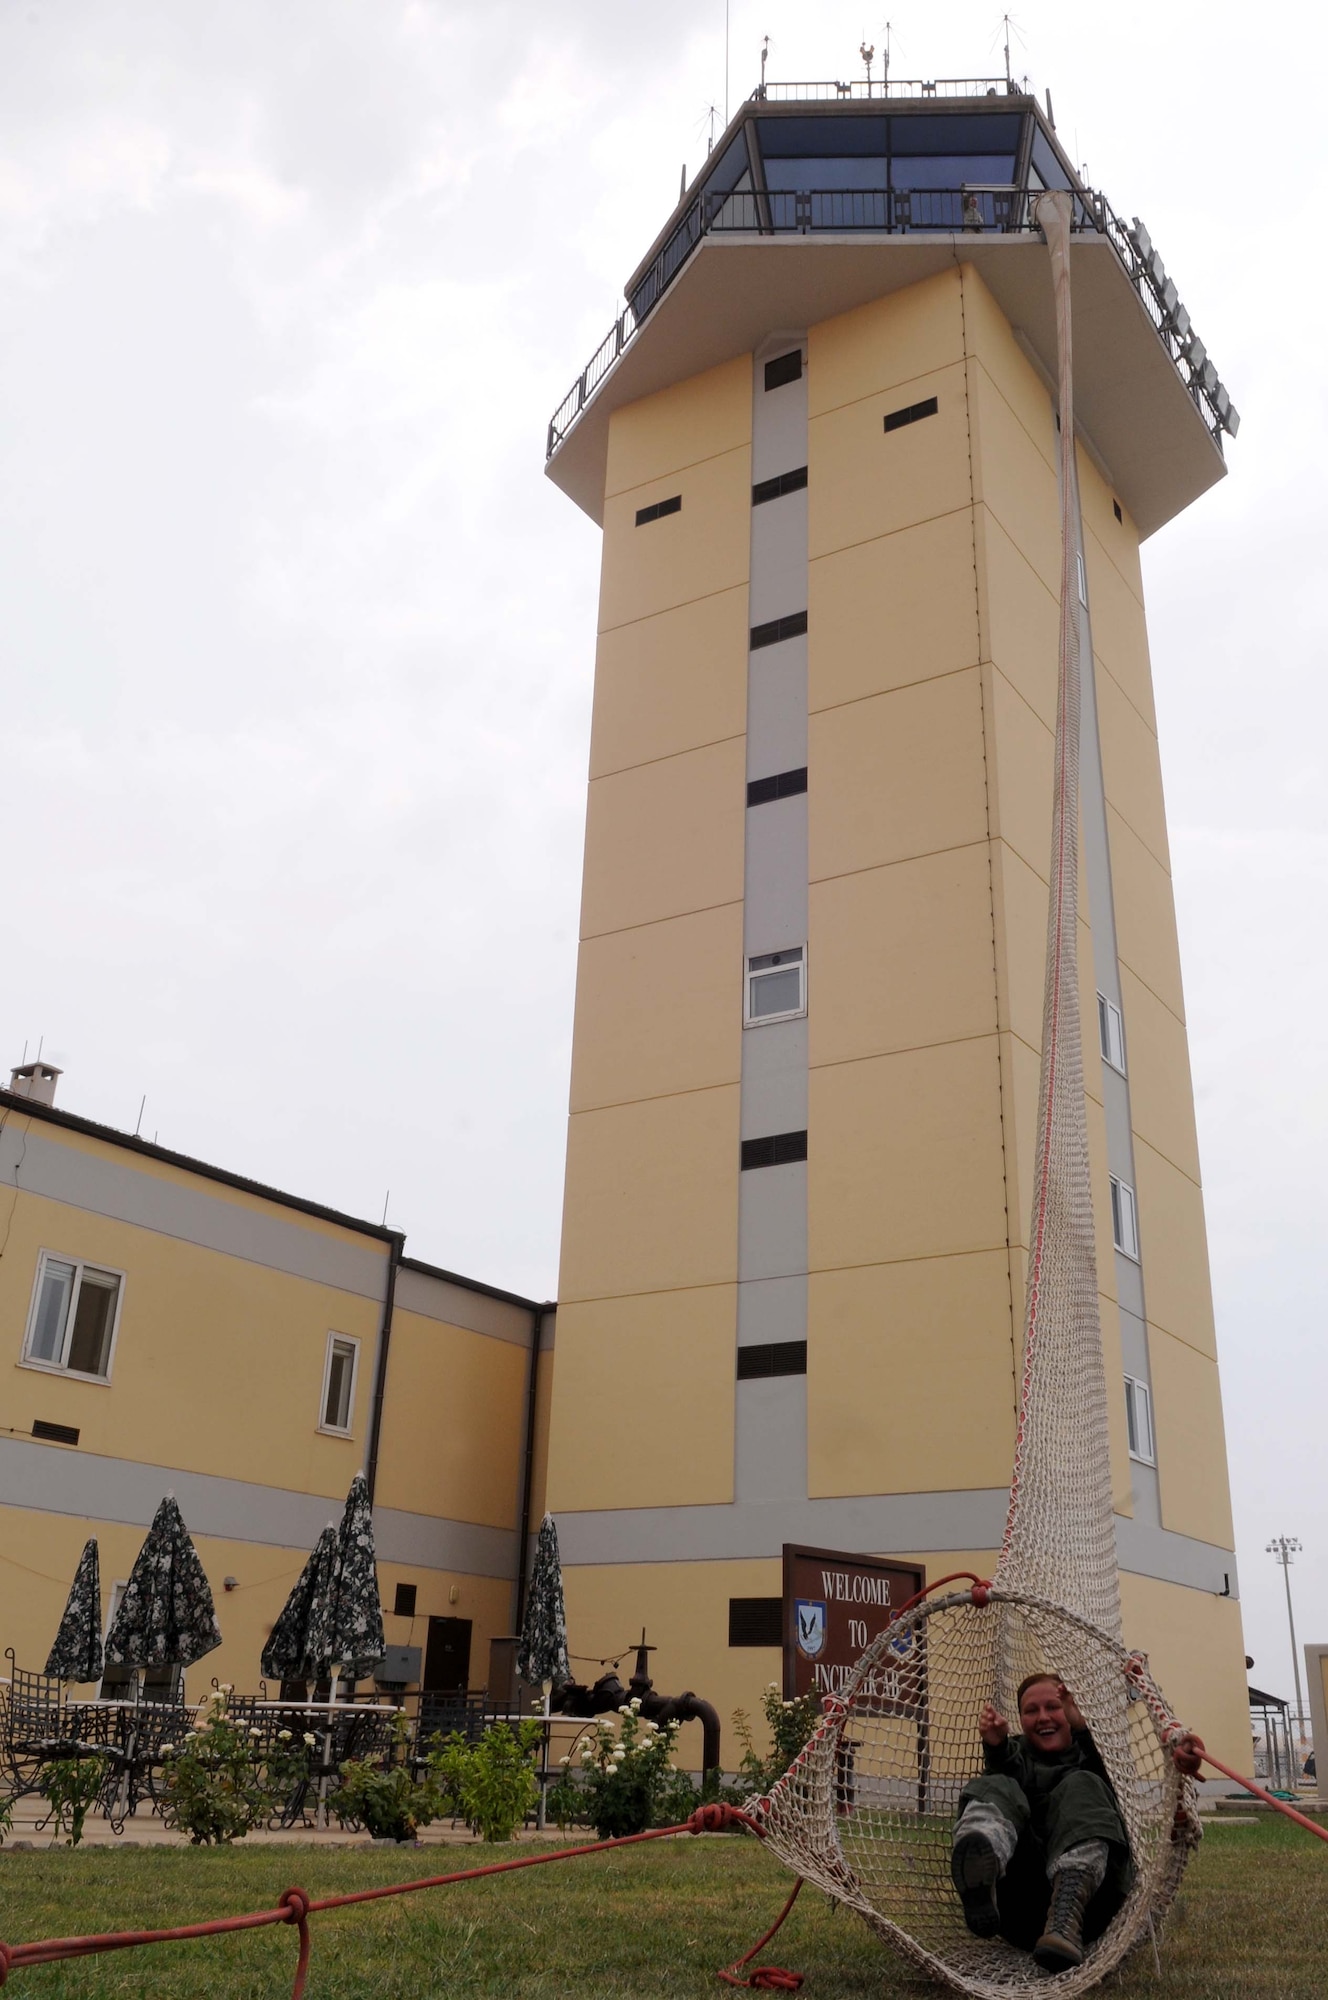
pixel 1139 1420
pixel 775 987
pixel 337 1408
pixel 1083 581
pixel 1111 1032
pixel 1124 1218
pixel 74 1317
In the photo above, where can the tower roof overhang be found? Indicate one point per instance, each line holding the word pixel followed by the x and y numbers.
pixel 1132 408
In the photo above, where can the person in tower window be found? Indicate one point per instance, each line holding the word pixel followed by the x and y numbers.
pixel 973 212
pixel 1040 1853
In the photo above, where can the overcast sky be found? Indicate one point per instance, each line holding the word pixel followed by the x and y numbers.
pixel 297 640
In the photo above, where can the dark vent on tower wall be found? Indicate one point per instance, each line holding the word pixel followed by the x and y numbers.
pixel 784 368
pixel 660 508
pixel 780 1149
pixel 912 415
pixel 54 1433
pixel 403 1604
pixel 775 489
pixel 772 1357
pixel 791 627
pixel 784 785
pixel 756 1621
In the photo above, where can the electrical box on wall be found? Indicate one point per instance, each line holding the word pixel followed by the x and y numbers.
pixel 399 1666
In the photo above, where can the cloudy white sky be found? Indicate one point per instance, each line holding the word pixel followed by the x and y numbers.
pixel 296 642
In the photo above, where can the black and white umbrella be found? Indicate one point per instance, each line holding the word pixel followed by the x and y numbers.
pixel 76 1654
pixel 541 1657
pixel 346 1621
pixel 287 1655
pixel 166 1616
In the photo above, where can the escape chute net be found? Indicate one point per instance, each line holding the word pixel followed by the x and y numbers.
pixel 867 1812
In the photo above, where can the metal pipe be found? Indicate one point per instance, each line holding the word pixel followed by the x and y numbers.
pixel 528 1467
pixel 397 1244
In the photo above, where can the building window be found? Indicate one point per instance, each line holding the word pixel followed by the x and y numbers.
pixel 1139 1420
pixel 75 1311
pixel 1124 1218
pixel 1083 580
pixel 783 785
pixel 1111 1032
pixel 776 987
pixel 339 1371
pixel 775 489
pixel 659 510
pixel 756 1621
pixel 791 627
pixel 896 419
pixel 762 1359
pixel 780 1149
pixel 403 1604
pixel 1115 508
pixel 784 368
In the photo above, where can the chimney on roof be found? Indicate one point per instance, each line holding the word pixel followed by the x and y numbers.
pixel 35 1080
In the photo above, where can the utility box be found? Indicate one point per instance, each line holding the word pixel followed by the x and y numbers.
pixel 398 1668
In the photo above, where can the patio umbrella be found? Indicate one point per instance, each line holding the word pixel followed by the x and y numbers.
pixel 541 1657
pixel 76 1654
pixel 287 1655
pixel 346 1623
pixel 166 1616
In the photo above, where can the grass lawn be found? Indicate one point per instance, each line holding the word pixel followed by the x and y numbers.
pixel 646 1921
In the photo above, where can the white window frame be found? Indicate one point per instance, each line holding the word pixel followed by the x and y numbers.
pixel 1083 579
pixel 1109 1016
pixel 1139 1403
pixel 80 1264
pixel 751 1020
pixel 1124 1218
pixel 335 1339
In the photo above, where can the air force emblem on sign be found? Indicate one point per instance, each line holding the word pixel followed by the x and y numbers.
pixel 809 1617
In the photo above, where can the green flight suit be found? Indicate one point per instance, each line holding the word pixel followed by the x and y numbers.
pixel 1053 1803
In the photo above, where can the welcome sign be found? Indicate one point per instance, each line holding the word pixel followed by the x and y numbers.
pixel 835 1604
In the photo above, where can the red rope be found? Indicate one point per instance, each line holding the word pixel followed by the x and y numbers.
pixel 767 1978
pixel 295 1907
pixel 1310 1826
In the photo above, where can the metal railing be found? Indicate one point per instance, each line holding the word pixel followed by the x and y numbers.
pixel 943 86
pixel 886 212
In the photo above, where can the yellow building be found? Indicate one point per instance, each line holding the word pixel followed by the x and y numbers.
pixel 167 1326
pixel 821 447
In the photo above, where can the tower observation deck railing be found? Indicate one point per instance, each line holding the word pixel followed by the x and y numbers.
pixel 893 212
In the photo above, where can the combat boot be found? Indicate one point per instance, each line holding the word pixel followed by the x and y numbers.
pixel 1061 1944
pixel 975 1869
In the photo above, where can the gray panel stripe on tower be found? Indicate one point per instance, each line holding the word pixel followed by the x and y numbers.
pixel 770 1425
pixel 1102 920
pixel 49 1479
pixel 883 1524
pixel 193 1214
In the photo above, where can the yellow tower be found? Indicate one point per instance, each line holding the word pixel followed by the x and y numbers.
pixel 821 445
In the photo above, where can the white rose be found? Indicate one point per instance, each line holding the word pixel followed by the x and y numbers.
pixel 283 1736
pixel 168 1749
pixel 634 1705
pixel 310 1740
pixel 255 1732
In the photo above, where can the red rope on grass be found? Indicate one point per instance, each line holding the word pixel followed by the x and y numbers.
pixel 1310 1826
pixel 296 1907
pixel 767 1978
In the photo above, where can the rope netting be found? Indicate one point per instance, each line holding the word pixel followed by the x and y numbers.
pixel 867 1812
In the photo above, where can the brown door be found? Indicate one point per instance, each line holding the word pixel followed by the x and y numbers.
pixel 447 1656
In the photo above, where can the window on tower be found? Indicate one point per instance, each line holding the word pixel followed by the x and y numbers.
pixel 784 368
pixel 782 785
pixel 776 986
pixel 1124 1218
pixel 1111 1032
pixel 1139 1420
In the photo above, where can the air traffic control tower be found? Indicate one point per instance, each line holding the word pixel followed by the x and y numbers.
pixel 820 442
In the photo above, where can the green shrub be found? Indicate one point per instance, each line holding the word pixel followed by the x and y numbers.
pixel 72 1784
pixel 490 1784
pixel 384 1798
pixel 626 1778
pixel 215 1783
pixel 790 1723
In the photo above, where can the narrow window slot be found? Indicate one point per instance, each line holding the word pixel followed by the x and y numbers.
pixel 659 510
pixel 775 489
pixel 767 1358
pixel 783 785
pixel 791 627
pixel 779 1149
pixel 914 414
pixel 784 368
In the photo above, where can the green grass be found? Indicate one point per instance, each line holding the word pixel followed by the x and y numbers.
pixel 646 1921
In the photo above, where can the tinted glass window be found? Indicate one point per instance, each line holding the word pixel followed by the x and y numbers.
pixel 729 168
pixel 1044 159
pixel 859 171
pixel 996 134
pixel 824 138
pixel 950 172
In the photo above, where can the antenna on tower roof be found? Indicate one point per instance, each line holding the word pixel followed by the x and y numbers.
pixel 867 51
pixel 885 61
pixel 765 50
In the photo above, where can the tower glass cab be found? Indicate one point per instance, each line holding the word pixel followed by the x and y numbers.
pixel 820 442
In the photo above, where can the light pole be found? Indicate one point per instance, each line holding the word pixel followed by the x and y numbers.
pixel 1282 1548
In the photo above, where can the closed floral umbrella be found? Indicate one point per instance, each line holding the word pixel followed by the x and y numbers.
pixel 541 1657
pixel 76 1654
pixel 166 1616
pixel 346 1623
pixel 287 1655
